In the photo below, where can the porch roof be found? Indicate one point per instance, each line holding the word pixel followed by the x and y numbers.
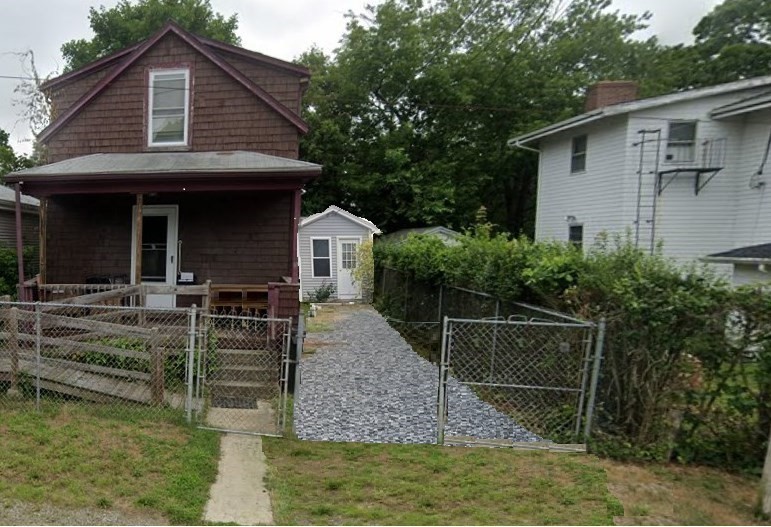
pixel 165 171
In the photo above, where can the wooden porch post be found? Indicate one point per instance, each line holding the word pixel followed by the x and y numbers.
pixel 138 236
pixel 20 244
pixel 296 207
pixel 43 215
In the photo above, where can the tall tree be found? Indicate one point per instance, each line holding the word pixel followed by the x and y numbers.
pixel 10 160
pixel 732 42
pixel 130 22
pixel 410 118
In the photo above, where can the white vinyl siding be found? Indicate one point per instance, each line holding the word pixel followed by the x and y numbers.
pixel 726 214
pixel 330 226
pixel 168 107
pixel 593 199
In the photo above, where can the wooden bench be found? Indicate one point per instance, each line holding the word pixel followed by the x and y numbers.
pixel 241 298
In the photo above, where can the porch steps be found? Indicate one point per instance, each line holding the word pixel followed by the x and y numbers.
pixel 242 377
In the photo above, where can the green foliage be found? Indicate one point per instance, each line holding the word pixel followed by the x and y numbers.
pixel 10 161
pixel 322 293
pixel 410 118
pixel 130 22
pixel 364 272
pixel 9 270
pixel 687 362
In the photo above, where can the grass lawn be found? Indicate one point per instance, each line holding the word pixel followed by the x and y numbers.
pixel 83 456
pixel 351 483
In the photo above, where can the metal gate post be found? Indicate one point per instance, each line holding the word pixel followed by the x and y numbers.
pixel 38 334
pixel 285 377
pixel 298 353
pixel 495 339
pixel 595 378
pixel 190 363
pixel 441 406
pixel 585 368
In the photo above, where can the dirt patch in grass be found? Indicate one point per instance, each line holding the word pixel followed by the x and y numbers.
pixel 351 483
pixel 112 459
pixel 679 495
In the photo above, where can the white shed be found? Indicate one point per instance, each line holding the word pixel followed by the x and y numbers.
pixel 327 244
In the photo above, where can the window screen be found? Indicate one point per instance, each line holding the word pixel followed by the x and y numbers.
pixel 169 104
pixel 576 235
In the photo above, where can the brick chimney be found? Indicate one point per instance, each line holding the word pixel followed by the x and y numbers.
pixel 605 93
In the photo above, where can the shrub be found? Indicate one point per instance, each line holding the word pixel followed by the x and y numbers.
pixel 322 293
pixel 675 377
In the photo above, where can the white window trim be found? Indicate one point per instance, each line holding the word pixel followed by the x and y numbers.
pixel 573 154
pixel 693 144
pixel 185 126
pixel 313 256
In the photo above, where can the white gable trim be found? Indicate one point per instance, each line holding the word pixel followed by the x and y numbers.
pixel 642 104
pixel 332 209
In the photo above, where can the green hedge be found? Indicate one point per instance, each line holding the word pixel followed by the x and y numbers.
pixel 9 271
pixel 676 382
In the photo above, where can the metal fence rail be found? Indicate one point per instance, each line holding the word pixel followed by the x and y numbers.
pixel 242 373
pixel 530 366
pixel 536 372
pixel 224 372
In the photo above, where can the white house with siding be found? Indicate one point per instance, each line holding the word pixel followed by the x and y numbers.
pixel 327 245
pixel 688 169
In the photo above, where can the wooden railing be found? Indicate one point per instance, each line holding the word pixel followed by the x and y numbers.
pixel 275 299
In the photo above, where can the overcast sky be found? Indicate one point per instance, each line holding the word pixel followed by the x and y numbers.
pixel 283 29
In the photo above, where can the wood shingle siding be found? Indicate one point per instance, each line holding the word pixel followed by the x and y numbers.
pixel 226 238
pixel 224 115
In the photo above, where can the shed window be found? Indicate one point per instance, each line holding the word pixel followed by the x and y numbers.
pixel 169 106
pixel 321 257
pixel 681 142
pixel 578 154
pixel 576 236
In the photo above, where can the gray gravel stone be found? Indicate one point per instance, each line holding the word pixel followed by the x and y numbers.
pixel 368 385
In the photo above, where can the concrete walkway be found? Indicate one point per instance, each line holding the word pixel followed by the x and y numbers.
pixel 239 494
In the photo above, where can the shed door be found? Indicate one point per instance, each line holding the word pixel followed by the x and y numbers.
pixel 159 251
pixel 346 263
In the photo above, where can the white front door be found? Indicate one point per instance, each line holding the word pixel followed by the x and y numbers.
pixel 347 289
pixel 159 251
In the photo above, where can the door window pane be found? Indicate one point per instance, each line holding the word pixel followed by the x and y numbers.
pixel 348 255
pixel 154 248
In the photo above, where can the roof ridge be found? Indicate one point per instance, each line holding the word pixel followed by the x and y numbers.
pixel 196 44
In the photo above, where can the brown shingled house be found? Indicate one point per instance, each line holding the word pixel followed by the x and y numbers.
pixel 172 159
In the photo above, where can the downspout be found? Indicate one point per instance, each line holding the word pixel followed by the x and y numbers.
pixel 20 245
pixel 296 204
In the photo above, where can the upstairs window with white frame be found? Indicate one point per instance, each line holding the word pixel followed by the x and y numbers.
pixel 578 154
pixel 321 257
pixel 169 107
pixel 681 142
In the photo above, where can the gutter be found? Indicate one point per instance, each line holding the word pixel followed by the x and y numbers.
pixel 736 260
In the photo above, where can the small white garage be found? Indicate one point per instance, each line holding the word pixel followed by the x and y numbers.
pixel 326 244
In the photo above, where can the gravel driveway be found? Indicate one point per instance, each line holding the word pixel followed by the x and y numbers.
pixel 366 384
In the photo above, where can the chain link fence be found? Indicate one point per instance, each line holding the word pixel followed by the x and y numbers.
pixel 532 367
pixel 242 373
pixel 223 372
pixel 538 373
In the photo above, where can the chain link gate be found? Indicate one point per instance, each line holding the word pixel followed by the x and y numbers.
pixel 241 371
pixel 532 381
